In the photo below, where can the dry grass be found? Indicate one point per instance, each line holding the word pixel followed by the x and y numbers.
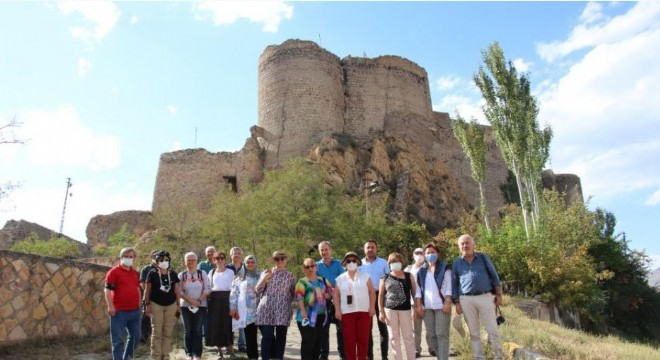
pixel 557 342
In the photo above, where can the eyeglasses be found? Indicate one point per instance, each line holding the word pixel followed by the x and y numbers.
pixel 310 266
pixel 279 258
pixel 220 258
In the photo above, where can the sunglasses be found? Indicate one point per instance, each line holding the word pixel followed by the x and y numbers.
pixel 309 266
pixel 220 258
pixel 279 258
pixel 351 261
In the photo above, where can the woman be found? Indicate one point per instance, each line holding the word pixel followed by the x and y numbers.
pixel 161 295
pixel 195 287
pixel 274 310
pixel 395 291
pixel 219 325
pixel 433 299
pixel 355 293
pixel 312 292
pixel 243 303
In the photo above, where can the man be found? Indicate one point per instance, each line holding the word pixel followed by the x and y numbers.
pixel 122 294
pixel 144 274
pixel 209 263
pixel 238 267
pixel 329 268
pixel 413 269
pixel 473 278
pixel 376 267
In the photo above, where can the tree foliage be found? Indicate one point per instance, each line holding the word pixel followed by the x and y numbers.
pixel 472 138
pixel 511 110
pixel 55 246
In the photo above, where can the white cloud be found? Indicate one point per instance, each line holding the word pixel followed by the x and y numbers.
pixel 100 17
pixel 84 66
pixel 602 112
pixel 268 13
pixel 59 138
pixel 134 20
pixel 171 109
pixel 522 65
pixel 654 199
pixel 445 83
pixel 467 107
pixel 643 17
pixel 87 201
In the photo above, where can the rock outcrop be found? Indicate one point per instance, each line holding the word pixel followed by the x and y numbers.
pixel 101 227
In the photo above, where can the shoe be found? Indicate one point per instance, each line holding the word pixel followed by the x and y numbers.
pixel 188 357
pixel 432 352
pixel 417 354
pixel 453 352
pixel 242 349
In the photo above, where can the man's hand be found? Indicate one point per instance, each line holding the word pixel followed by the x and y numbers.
pixel 459 310
pixel 111 310
pixel 498 300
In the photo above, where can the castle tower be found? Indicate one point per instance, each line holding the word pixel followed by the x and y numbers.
pixel 301 98
pixel 376 88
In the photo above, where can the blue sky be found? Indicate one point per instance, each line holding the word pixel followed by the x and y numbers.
pixel 103 88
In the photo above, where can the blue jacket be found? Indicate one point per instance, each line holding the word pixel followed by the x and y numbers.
pixel 439 275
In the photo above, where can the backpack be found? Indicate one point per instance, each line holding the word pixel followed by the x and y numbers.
pixel 199 276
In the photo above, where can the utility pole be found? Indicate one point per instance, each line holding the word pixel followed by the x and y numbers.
pixel 66 196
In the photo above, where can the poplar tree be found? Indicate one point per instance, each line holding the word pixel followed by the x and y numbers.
pixel 511 110
pixel 472 138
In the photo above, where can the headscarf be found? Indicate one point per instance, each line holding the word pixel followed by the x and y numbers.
pixel 251 273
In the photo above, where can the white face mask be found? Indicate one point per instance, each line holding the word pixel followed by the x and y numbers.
pixel 126 261
pixel 419 259
pixel 351 266
pixel 164 265
pixel 396 266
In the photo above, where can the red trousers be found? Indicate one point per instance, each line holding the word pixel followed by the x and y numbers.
pixel 355 327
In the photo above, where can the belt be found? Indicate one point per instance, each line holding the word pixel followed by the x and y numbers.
pixel 475 293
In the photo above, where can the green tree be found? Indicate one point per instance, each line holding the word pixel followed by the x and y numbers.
pixel 55 246
pixel 473 141
pixel 511 110
pixel 117 241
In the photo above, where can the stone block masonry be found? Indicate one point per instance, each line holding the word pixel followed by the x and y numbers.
pixel 45 297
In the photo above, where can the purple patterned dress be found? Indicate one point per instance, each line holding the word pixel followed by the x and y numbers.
pixel 275 305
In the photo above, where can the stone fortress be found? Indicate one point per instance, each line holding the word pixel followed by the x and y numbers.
pixel 363 120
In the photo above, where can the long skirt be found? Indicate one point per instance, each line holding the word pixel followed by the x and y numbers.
pixel 219 326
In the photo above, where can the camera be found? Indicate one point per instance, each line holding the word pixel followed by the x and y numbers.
pixel 500 320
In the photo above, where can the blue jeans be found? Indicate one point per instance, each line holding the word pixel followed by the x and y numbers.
pixel 241 339
pixel 125 320
pixel 192 330
pixel 273 341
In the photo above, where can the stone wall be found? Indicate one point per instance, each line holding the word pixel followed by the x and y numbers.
pixel 14 231
pixel 42 297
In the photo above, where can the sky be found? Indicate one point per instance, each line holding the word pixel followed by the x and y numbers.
pixel 101 89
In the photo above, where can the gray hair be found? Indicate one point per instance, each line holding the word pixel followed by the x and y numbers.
pixel 232 250
pixel 324 242
pixel 189 254
pixel 126 250
pixel 209 248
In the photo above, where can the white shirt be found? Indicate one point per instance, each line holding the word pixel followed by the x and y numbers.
pixel 221 281
pixel 432 299
pixel 356 287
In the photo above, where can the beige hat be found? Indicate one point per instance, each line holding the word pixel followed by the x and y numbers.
pixel 349 255
pixel 279 253
pixel 457 323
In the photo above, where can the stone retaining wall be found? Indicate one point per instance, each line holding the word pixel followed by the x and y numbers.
pixel 43 297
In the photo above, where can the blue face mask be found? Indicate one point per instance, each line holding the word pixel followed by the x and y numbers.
pixel 432 258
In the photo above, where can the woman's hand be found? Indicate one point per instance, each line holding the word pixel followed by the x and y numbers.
pixel 382 318
pixel 234 314
pixel 447 307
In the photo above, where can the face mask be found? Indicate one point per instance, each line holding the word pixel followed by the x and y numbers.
pixel 395 266
pixel 351 266
pixel 419 258
pixel 126 261
pixel 164 265
pixel 432 258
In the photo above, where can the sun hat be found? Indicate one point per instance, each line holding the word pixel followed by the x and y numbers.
pixel 349 255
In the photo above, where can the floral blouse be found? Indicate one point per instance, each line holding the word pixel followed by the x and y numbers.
pixel 274 308
pixel 245 290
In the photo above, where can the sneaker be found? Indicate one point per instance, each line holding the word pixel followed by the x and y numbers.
pixel 432 352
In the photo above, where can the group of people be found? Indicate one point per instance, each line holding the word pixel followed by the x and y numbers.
pixel 216 300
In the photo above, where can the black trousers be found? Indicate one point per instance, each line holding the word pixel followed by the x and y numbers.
pixel 310 348
pixel 384 338
pixel 251 341
pixel 325 340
